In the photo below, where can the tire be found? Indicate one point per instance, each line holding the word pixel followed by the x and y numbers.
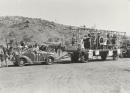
pixel 123 55
pixel 75 57
pixel 49 60
pixel 115 57
pixel 21 62
pixel 15 63
pixel 104 56
pixel 120 56
pixel 128 54
pixel 72 58
pixel 84 59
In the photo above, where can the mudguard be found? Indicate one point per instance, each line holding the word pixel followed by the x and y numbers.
pixel 28 60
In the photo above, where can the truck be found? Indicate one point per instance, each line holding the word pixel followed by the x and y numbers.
pixel 102 44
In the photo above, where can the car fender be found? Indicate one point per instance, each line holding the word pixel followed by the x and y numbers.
pixel 28 60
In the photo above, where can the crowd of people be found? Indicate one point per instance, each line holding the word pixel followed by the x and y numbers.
pixel 4 55
pixel 98 41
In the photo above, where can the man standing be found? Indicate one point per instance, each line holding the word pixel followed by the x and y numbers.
pixel 5 51
pixel 87 41
pixel 1 56
pixel 82 42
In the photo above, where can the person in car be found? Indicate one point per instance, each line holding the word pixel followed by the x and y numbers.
pixel 36 48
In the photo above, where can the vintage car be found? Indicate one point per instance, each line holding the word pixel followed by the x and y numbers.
pixel 30 56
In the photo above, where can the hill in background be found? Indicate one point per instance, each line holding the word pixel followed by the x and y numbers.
pixel 31 29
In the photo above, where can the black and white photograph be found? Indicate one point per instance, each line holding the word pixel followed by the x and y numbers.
pixel 64 46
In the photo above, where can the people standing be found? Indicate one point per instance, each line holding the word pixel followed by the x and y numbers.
pixel 5 50
pixel 1 56
pixel 87 41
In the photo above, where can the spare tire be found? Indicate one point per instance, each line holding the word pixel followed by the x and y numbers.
pixel 49 60
pixel 21 62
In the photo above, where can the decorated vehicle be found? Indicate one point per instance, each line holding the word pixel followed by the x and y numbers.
pixel 91 44
pixel 31 56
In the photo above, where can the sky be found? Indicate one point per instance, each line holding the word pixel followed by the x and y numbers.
pixel 101 14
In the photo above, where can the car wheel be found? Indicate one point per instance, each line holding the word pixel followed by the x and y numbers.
pixel 104 56
pixel 84 58
pixel 21 62
pixel 72 58
pixel 115 57
pixel 49 60
pixel 15 63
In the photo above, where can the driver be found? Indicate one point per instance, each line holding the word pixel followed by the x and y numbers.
pixel 87 41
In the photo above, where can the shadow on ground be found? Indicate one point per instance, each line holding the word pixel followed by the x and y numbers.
pixel 64 62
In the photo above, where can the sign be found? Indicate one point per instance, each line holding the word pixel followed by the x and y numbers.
pixel 97 52
pixel 110 53
pixel 119 51
pixel 90 54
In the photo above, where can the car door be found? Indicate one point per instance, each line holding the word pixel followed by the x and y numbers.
pixel 40 57
pixel 30 54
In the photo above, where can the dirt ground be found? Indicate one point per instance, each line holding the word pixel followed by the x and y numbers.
pixel 93 77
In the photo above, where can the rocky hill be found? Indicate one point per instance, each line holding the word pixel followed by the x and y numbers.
pixel 31 29
pixel 34 29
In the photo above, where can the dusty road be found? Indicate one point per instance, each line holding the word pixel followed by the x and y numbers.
pixel 93 77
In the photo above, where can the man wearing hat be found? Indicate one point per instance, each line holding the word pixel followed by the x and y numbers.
pixel 86 41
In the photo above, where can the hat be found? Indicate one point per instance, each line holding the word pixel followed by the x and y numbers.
pixel 89 35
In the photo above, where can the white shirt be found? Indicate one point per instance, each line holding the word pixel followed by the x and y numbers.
pixel 82 44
